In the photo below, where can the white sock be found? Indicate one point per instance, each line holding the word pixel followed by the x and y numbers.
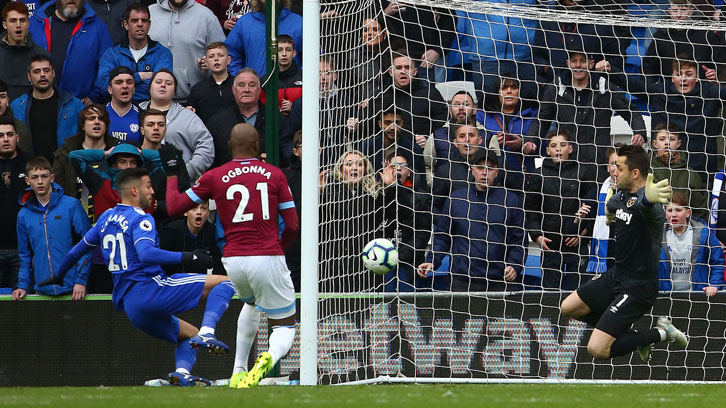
pixel 663 335
pixel 206 330
pixel 182 370
pixel 247 324
pixel 281 341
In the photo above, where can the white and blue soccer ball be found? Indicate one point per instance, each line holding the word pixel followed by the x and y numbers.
pixel 380 256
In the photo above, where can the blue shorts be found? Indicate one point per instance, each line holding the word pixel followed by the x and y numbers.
pixel 151 305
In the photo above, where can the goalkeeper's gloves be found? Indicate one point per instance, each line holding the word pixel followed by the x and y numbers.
pixel 171 159
pixel 659 192
pixel 608 215
pixel 197 259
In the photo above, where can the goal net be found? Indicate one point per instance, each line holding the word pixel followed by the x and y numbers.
pixel 477 136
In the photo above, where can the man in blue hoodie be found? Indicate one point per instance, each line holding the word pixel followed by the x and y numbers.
pixel 137 51
pixel 49 223
pixel 75 38
pixel 486 254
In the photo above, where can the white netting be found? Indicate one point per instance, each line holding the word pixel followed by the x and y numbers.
pixel 519 63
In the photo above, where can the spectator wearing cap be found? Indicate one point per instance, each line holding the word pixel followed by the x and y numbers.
pixel 98 170
pixel 561 204
pixel 481 226
pixel 101 179
pixel 16 48
pixel 584 106
pixel 136 51
pixel 123 114
pixel 78 38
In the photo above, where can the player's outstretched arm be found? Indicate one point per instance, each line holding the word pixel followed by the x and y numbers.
pixel 176 203
pixel 659 192
pixel 80 249
pixel 148 253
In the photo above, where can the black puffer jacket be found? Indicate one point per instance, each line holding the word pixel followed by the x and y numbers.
pixel 586 114
pixel 554 193
pixel 349 219
pixel 408 220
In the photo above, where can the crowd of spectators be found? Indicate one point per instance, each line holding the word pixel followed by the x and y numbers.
pixel 463 181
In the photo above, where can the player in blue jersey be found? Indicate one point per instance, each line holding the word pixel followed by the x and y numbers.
pixel 130 247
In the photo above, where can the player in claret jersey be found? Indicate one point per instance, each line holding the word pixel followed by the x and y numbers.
pixel 613 301
pixel 249 194
pixel 130 247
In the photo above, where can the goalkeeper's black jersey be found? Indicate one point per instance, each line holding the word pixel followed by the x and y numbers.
pixel 638 231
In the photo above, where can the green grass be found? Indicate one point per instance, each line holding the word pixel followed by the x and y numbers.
pixel 374 396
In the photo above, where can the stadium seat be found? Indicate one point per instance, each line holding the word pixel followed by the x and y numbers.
pixel 448 89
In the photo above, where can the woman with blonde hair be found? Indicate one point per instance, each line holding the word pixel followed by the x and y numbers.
pixel 351 214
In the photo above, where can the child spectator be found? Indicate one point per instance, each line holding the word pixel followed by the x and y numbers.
pixel 691 257
pixel 187 234
pixel 601 257
pixel 290 77
pixel 668 162
pixel 555 194
pixel 214 93
pixel 686 102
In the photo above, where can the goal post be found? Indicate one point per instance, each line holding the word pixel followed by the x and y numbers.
pixel 351 331
pixel 309 202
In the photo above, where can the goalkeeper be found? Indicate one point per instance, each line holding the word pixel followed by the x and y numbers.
pixel 613 301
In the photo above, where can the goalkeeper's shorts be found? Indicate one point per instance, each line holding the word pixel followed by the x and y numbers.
pixel 616 308
pixel 151 305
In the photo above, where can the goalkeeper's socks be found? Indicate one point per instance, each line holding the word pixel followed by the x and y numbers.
pixel 217 303
pixel 247 323
pixel 281 341
pixel 632 339
pixel 185 357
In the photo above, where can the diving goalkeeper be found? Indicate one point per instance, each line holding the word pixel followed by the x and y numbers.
pixel 613 301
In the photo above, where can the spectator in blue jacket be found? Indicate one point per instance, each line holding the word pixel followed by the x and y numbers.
pixel 691 257
pixel 43 103
pixel 137 51
pixel 49 224
pixel 246 41
pixel 496 44
pixel 482 228
pixel 79 38
pixel 507 119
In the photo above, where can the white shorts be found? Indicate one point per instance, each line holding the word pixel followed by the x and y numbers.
pixel 265 281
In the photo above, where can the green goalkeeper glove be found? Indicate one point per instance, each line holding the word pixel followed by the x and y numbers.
pixel 659 192
pixel 608 215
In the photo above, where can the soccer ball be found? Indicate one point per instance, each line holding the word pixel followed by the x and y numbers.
pixel 380 256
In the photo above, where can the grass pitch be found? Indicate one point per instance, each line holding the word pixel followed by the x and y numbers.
pixel 373 396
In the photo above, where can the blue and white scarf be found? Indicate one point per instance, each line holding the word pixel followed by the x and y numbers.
pixel 600 234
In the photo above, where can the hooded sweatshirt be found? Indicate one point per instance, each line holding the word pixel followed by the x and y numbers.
pixel 187 133
pixel 185 32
